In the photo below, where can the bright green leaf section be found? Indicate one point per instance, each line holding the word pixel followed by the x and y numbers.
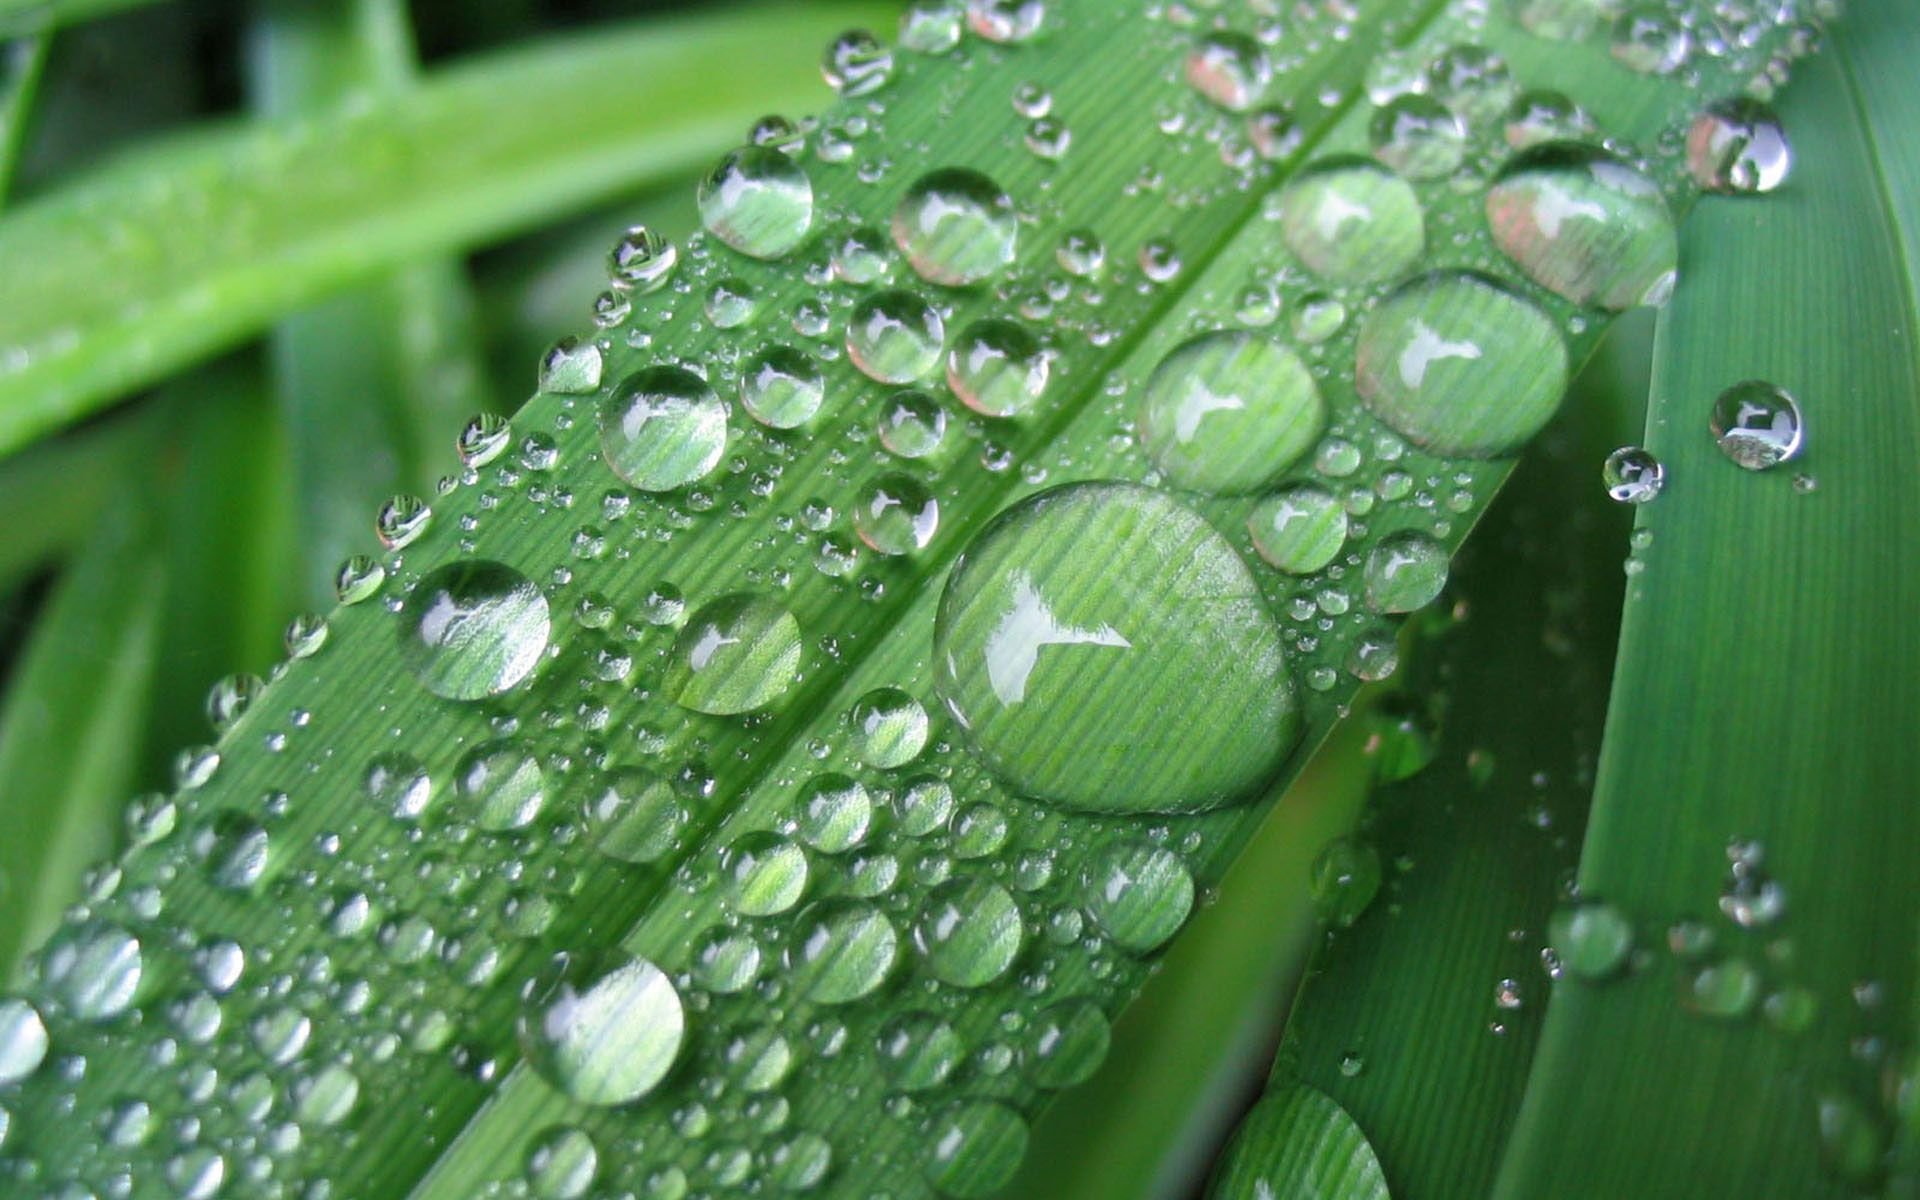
pixel 1755 787
pixel 259 220
pixel 1297 1142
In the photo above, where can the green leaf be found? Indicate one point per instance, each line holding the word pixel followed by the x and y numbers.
pixel 51 496
pixel 19 17
pixel 1297 1142
pixel 26 62
pixel 71 723
pixel 1764 694
pixel 867 956
pixel 262 219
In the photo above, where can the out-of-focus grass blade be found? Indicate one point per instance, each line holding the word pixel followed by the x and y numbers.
pixel 1754 807
pixel 190 246
pixel 1187 1052
pixel 1412 1000
pixel 372 383
pixel 52 495
pixel 71 724
pixel 24 61
pixel 27 16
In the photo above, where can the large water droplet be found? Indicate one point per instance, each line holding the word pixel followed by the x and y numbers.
pixel 1353 222
pixel 841 951
pixel 956 227
pixel 1299 529
pixel 782 388
pixel 1230 412
pixel 1738 146
pixel 635 816
pixel 1586 227
pixel 93 969
pixel 974 1148
pixel 1230 69
pixel 602 1037
pixel 23 1040
pixel 1633 475
pixel 969 932
pixel 1138 894
pixel 1460 365
pixel 1068 639
pixel 1405 571
pixel 1419 137
pixel 662 429
pixel 502 785
pixel 765 873
pixel 757 200
pixel 1756 424
pixel 736 654
pixel 473 629
pixel 895 337
pixel 896 514
pixel 996 368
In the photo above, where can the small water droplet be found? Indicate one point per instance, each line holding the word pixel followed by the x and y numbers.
pixel 663 428
pixel 1757 425
pixel 474 629
pixel 757 200
pixel 956 227
pixel 1633 475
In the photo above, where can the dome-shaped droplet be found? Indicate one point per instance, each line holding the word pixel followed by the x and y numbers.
pixel 841 950
pixel 562 1164
pixel 1299 529
pixel 1230 69
pixel 570 368
pixel 969 932
pixel 474 629
pixel 1419 137
pixel 1138 894
pixel 635 816
pixel 1404 572
pixel 1007 20
pixel 602 1037
pixel 757 200
pixel 782 388
pixel 956 227
pixel 896 514
pixel 1230 412
pixel 641 261
pixel 1068 639
pixel 889 728
pixel 1633 475
pixel 895 337
pixel 1460 365
pixel 856 63
pixel 1586 227
pixel 835 812
pixel 1352 222
pixel 93 969
pixel 501 785
pixel 1068 1042
pixel 738 653
pixel 974 1148
pixel 912 424
pixel 1756 424
pixel 663 428
pixel 1738 146
pixel 23 1040
pixel 996 368
pixel 1651 40
pixel 918 1050
pixel 765 874
pixel 1591 940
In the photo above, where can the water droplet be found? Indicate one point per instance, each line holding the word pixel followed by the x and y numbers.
pixel 896 514
pixel 1750 897
pixel 571 368
pixel 401 521
pixel 1633 475
pixel 1473 81
pixel 1405 571
pixel 663 428
pixel 502 784
pixel 1345 879
pixel 969 932
pixel 1461 366
pixel 1269 1156
pixel 1591 939
pixel 974 1148
pixel 835 812
pixel 23 1040
pixel 562 1164
pixel 757 200
pixel 1726 990
pixel 398 785
pixel 474 629
pixel 358 579
pixel 930 26
pixel 1230 412
pixel 1067 640
pixel 1540 117
pixel 229 698
pixel 1738 146
pixel 602 1037
pixel 889 728
pixel 1419 137
pixel 1757 425
pixel 912 424
pixel 1562 20
pixel 895 337
pixel 1006 20
pixel 1853 1143
pixel 1068 1042
pixel 766 874
pixel 1651 41
pixel 635 816
pixel 996 368
pixel 641 262
pixel 782 388
pixel 1586 227
pixel 956 227
pixel 1299 529
pixel 92 969
pixel 1352 222
pixel 841 951
pixel 1230 69
pixel 856 63
pixel 1137 893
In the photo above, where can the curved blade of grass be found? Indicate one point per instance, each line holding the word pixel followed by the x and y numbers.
pixel 25 62
pixel 18 17
pixel 434 930
pixel 369 381
pixel 1765 690
pixel 52 495
pixel 72 721
pixel 259 220
pixel 1471 851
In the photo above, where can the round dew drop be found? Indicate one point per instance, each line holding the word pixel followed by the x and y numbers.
pixel 841 951
pixel 1419 137
pixel 1299 529
pixel 1738 146
pixel 997 369
pixel 757 200
pixel 663 428
pixel 1068 640
pixel 974 1149
pixel 1586 228
pixel 737 654
pixel 889 728
pixel 956 227
pixel 1757 425
pixel 970 932
pixel 602 1038
pixel 502 785
pixel 1230 412
pixel 1633 475
pixel 895 337
pixel 1230 69
pixel 782 388
pixel 896 515
pixel 1137 893
pixel 1405 571
pixel 474 629
pixel 1459 365
pixel 1352 222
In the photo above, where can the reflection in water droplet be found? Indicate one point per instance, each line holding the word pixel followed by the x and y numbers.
pixel 92 969
pixel 602 1037
pixel 1586 227
pixel 1230 69
pixel 474 629
pixel 766 874
pixel 841 950
pixel 1068 638
pixel 1633 475
pixel 1230 412
pixel 758 200
pixel 782 388
pixel 1352 222
pixel 1591 940
pixel 737 654
pixel 1405 571
pixel 1419 137
pixel 1738 146
pixel 1757 425
pixel 956 227
pixel 895 337
pixel 974 1148
pixel 896 514
pixel 1299 529
pixel 635 816
pixel 502 785
pixel 23 1040
pixel 663 428
pixel 969 932
pixel 996 368
pixel 1137 893
pixel 889 728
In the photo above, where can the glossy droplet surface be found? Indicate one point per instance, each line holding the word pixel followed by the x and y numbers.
pixel 1738 146
pixel 1138 894
pixel 1586 227
pixel 842 950
pixel 782 388
pixel 1297 1142
pixel 1353 222
pixel 996 368
pixel 1591 940
pixel 1632 475
pixel 889 728
pixel 606 1037
pixel 1756 424
pixel 758 200
pixel 974 1148
pixel 969 932
pixel 956 227
pixel 474 629
pixel 1299 529
pixel 1460 365
pixel 93 969
pixel 1230 69
pixel 1419 137
pixel 663 428
pixel 23 1040
pixel 1230 412
pixel 501 785
pixel 896 514
pixel 736 654
pixel 895 337
pixel 1067 640
pixel 1404 572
